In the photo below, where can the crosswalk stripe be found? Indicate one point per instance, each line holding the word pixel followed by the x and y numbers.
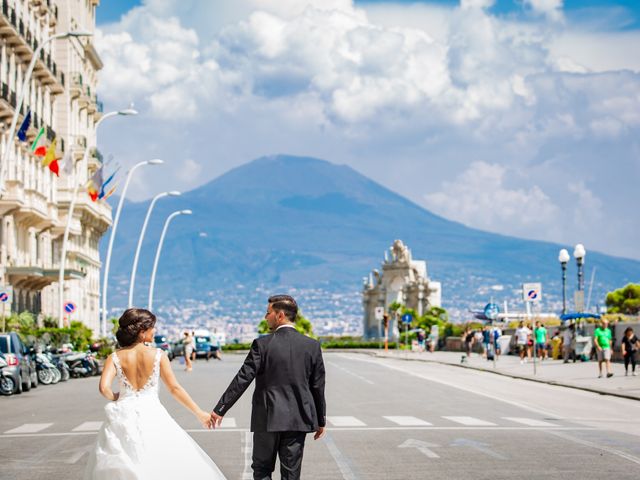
pixel 88 427
pixel 228 423
pixel 532 422
pixel 408 421
pixel 470 421
pixel 346 422
pixel 30 428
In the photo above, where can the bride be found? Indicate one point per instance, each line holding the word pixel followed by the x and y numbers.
pixel 140 440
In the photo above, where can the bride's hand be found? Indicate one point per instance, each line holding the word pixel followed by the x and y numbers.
pixel 205 419
pixel 116 395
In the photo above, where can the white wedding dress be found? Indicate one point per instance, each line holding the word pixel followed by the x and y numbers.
pixel 140 440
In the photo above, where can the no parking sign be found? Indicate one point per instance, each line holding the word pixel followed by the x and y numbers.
pixel 69 307
pixel 6 294
pixel 532 292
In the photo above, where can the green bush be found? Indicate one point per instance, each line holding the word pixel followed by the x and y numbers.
pixel 354 344
pixel 236 346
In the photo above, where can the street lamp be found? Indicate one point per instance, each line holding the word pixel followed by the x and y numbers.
pixel 579 253
pixel 155 261
pixel 141 237
pixel 25 84
pixel 74 197
pixel 107 262
pixel 563 258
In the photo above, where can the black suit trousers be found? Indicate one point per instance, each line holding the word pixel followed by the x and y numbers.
pixel 269 445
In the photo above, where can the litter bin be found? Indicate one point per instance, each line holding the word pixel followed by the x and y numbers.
pixel 583 347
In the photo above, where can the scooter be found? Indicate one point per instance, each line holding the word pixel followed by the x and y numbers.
pixel 7 384
pixel 79 365
pixel 47 371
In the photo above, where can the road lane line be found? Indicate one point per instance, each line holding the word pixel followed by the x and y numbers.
pixel 360 377
pixel 408 421
pixel 532 422
pixel 470 421
pixel 228 423
pixel 247 449
pixel 88 427
pixel 340 459
pixel 346 422
pixel 587 443
pixel 29 428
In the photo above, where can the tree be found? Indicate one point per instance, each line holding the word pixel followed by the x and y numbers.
pixel 302 324
pixel 624 300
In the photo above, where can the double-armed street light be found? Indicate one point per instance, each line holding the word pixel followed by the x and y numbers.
pixel 155 261
pixel 25 84
pixel 563 258
pixel 74 197
pixel 107 262
pixel 141 238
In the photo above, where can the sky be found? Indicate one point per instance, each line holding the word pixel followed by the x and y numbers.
pixel 514 116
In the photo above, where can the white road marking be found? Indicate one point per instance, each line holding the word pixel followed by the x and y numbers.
pixel 408 421
pixel 247 449
pixel 479 446
pixel 339 458
pixel 422 447
pixel 532 422
pixel 586 443
pixel 88 427
pixel 470 421
pixel 346 422
pixel 228 423
pixel 29 428
pixel 360 377
pixel 77 454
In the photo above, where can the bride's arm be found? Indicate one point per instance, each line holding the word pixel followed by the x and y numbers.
pixel 108 374
pixel 180 394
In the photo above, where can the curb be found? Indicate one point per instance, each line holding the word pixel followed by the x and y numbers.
pixel 480 369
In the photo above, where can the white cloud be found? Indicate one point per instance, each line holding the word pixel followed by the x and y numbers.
pixel 551 8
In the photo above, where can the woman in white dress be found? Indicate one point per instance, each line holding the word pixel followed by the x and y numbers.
pixel 139 439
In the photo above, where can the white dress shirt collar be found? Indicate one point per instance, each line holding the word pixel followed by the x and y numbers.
pixel 284 326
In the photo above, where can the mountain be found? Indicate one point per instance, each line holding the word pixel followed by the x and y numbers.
pixel 304 222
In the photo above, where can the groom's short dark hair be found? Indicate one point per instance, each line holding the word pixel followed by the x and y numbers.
pixel 286 304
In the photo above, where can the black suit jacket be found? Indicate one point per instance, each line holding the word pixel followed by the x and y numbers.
pixel 290 377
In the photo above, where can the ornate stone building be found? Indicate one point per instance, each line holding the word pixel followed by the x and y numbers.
pixel 402 280
pixel 34 203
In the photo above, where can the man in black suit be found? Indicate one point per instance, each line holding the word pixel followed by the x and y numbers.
pixel 288 401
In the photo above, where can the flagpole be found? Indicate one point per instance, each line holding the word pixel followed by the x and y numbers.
pixel 155 261
pixel 25 84
pixel 114 228
pixel 72 205
pixel 132 282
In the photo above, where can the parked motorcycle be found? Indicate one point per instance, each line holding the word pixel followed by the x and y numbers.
pixel 47 371
pixel 60 365
pixel 79 363
pixel 7 382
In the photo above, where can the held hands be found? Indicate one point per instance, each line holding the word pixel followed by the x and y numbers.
pixel 216 420
pixel 205 419
pixel 319 433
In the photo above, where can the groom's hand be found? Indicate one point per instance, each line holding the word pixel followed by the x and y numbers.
pixel 216 419
pixel 319 433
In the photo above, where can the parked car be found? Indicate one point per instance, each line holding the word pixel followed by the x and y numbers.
pixel 205 347
pixel 162 342
pixel 20 365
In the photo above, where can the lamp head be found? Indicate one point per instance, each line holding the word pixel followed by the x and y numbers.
pixel 563 256
pixel 185 212
pixel 128 111
pixel 79 34
pixel 155 161
pixel 174 193
pixel 579 252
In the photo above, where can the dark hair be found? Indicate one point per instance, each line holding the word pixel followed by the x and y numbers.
pixel 286 304
pixel 627 330
pixel 131 323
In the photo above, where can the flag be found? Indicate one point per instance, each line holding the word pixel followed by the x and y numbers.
pixel 40 151
pixel 106 182
pixel 54 167
pixel 113 189
pixel 50 156
pixel 22 132
pixel 94 185
pixel 34 145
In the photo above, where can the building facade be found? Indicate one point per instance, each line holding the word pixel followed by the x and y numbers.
pixel 34 202
pixel 402 280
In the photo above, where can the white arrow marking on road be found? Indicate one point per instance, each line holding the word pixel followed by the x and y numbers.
pixel 422 447
pixel 76 454
pixel 479 446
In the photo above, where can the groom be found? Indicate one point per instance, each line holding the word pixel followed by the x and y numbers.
pixel 288 401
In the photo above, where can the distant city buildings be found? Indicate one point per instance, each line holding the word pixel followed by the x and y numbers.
pixel 402 280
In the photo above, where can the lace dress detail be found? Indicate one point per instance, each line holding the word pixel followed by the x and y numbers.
pixel 151 386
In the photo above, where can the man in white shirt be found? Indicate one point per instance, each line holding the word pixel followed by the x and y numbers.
pixel 567 343
pixel 522 339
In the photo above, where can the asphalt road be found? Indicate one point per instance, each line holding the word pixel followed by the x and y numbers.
pixel 388 419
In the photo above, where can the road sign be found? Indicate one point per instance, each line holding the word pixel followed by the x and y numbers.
pixel 379 313
pixel 407 318
pixel 6 294
pixel 578 299
pixel 491 311
pixel 69 307
pixel 532 292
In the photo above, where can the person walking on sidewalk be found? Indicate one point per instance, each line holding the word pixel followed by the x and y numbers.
pixel 567 343
pixel 541 340
pixel 522 340
pixel 603 341
pixel 630 344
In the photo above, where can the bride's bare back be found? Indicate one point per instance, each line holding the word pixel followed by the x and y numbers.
pixel 137 364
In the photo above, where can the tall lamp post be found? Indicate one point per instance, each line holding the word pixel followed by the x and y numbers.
pixel 141 238
pixel 25 84
pixel 114 228
pixel 155 261
pixel 563 258
pixel 72 205
pixel 579 253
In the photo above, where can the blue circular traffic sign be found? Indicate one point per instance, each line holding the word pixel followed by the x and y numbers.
pixel 407 318
pixel 4 297
pixel 69 307
pixel 532 294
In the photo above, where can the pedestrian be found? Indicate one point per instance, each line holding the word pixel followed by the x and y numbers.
pixel 468 338
pixel 486 340
pixel 420 337
pixel 630 344
pixel 522 340
pixel 530 341
pixel 497 333
pixel 187 341
pixel 432 339
pixel 567 343
pixel 602 340
pixel 541 340
pixel 193 351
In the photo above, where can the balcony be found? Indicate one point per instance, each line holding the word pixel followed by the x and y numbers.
pixel 7 101
pixel 95 158
pixel 33 277
pixel 75 88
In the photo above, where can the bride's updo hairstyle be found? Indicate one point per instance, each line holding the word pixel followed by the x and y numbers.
pixel 131 323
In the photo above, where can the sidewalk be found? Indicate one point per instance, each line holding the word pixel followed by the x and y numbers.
pixel 581 375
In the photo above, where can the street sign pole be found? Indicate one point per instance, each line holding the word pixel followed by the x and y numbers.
pixel 6 296
pixel 532 293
